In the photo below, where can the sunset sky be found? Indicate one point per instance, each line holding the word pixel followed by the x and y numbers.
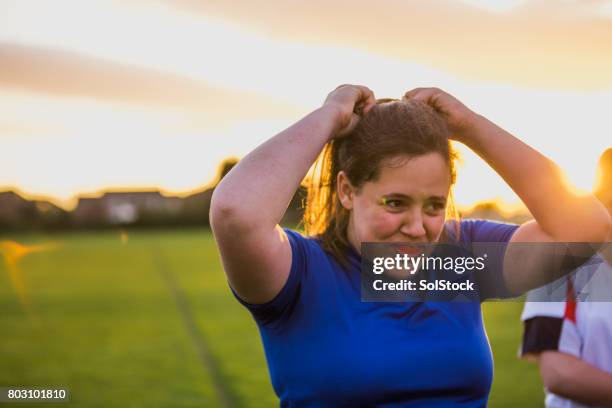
pixel 119 94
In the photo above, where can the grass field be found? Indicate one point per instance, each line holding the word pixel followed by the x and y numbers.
pixel 146 319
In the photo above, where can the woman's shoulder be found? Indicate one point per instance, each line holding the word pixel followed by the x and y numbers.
pixel 469 230
pixel 298 238
pixel 304 246
pixel 311 251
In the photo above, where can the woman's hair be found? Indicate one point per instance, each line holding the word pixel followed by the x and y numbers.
pixel 390 129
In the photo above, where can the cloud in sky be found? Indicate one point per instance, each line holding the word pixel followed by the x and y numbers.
pixel 499 6
pixel 541 43
pixel 64 73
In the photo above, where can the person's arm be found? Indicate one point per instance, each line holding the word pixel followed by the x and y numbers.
pixel 572 378
pixel 559 214
pixel 251 199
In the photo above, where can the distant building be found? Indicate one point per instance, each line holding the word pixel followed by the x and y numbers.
pixel 127 208
pixel 89 212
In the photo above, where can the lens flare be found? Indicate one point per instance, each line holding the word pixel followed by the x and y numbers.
pixel 12 252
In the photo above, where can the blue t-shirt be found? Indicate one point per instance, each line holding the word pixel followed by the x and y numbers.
pixel 327 348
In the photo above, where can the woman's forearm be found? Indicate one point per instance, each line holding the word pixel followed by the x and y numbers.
pixel 562 214
pixel 257 191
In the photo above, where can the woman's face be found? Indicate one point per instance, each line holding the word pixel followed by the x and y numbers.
pixel 407 203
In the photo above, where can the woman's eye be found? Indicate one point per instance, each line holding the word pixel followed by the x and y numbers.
pixel 392 203
pixel 435 207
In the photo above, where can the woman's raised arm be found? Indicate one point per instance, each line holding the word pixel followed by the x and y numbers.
pixel 252 198
pixel 559 214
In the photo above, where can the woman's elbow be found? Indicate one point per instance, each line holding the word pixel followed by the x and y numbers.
pixel 604 233
pixel 598 232
pixel 594 223
pixel 227 215
pixel 603 227
pixel 222 210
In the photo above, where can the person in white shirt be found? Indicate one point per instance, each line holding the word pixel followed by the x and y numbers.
pixel 572 340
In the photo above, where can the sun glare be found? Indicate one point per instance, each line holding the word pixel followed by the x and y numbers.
pixel 12 252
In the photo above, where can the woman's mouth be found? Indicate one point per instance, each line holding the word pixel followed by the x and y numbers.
pixel 412 250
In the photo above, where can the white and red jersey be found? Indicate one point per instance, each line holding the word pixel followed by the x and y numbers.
pixel 580 326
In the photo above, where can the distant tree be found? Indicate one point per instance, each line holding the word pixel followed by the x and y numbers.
pixel 486 210
pixel 491 210
pixel 225 167
pixel 487 206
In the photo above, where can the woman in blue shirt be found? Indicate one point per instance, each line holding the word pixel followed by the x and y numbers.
pixel 384 175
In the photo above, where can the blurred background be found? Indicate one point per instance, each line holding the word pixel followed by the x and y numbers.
pixel 118 118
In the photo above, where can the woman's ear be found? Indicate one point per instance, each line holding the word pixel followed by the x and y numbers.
pixel 345 190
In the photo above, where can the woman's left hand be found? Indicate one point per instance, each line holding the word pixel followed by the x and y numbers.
pixel 459 117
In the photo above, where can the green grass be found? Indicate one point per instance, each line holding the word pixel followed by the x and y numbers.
pixel 106 319
pixel 516 383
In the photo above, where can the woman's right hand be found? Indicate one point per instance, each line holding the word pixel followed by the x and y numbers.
pixel 349 103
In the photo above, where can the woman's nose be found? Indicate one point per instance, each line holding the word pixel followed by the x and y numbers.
pixel 413 225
